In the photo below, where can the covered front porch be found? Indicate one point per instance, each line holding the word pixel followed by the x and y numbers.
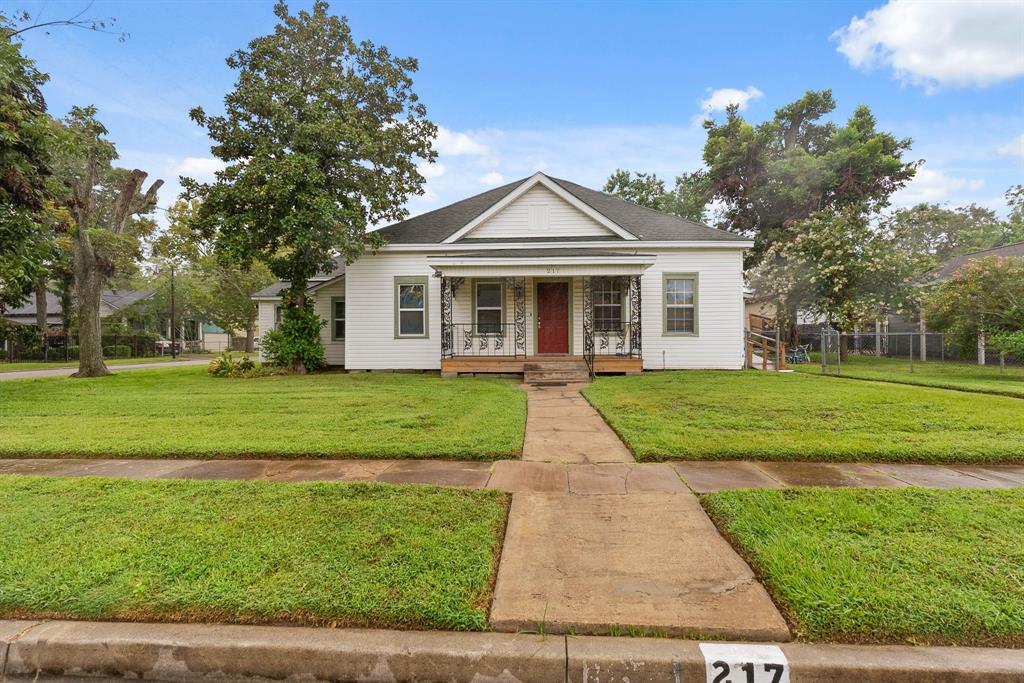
pixel 520 311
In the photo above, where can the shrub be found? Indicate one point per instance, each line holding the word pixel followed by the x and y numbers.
pixel 73 352
pixel 117 351
pixel 224 366
pixel 296 339
pixel 1011 343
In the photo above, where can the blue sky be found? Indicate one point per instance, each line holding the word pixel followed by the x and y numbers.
pixel 580 89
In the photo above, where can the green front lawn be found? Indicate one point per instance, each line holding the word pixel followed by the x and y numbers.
pixel 183 412
pixel 933 373
pixel 708 415
pixel 886 565
pixel 356 554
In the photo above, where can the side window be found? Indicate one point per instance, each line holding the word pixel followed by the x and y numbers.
pixel 278 313
pixel 607 294
pixel 411 307
pixel 488 307
pixel 680 304
pixel 337 318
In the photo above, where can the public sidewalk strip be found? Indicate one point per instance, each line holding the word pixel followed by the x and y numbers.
pixel 54 650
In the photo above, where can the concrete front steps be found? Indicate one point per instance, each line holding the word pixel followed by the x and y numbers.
pixel 556 370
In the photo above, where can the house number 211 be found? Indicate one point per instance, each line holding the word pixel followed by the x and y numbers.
pixel 728 663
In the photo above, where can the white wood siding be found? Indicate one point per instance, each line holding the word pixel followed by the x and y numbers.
pixel 539 213
pixel 334 351
pixel 370 304
pixel 719 343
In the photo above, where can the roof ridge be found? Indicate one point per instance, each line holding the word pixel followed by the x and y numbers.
pixel 982 251
pixel 460 201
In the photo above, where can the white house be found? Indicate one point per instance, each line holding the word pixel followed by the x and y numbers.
pixel 538 275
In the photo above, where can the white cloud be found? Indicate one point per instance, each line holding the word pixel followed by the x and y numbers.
pixel 434 170
pixel 934 44
pixel 492 178
pixel 718 100
pixel 1013 148
pixel 198 168
pixel 934 186
pixel 454 143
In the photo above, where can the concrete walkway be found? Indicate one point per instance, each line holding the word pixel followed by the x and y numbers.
pixel 562 427
pixel 67 372
pixel 516 476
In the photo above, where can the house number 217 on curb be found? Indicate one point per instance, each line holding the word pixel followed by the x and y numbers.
pixel 733 663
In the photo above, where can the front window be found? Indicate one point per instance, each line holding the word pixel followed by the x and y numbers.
pixel 607 293
pixel 488 307
pixel 681 304
pixel 277 316
pixel 337 319
pixel 411 308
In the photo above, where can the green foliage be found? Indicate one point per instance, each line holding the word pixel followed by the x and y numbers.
pixel 1011 343
pixel 752 415
pixel 117 350
pixel 837 265
pixel 321 137
pixel 983 296
pixel 687 200
pixel 772 175
pixel 174 411
pixel 225 366
pixel 904 565
pixel 344 554
pixel 296 341
pixel 22 336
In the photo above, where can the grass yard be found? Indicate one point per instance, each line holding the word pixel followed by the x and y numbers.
pixel 886 565
pixel 41 365
pixel 708 415
pixel 249 552
pixel 183 412
pixel 934 373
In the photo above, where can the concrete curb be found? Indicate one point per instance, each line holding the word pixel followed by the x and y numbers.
pixel 58 650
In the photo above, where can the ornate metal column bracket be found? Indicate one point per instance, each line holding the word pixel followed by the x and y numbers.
pixel 588 322
pixel 447 294
pixel 635 317
pixel 519 314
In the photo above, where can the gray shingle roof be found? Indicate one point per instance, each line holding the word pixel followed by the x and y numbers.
pixel 646 224
pixel 946 270
pixel 115 298
pixel 123 298
pixel 273 291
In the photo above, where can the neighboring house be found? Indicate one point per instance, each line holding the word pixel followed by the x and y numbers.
pixel 535 271
pixel 946 270
pixel 112 303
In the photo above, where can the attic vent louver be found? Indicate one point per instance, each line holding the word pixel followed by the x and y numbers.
pixel 540 217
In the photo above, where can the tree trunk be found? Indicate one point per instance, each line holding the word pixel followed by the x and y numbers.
pixel 41 314
pixel 88 287
pixel 250 336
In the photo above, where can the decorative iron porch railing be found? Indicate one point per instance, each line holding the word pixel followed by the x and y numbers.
pixel 486 339
pixel 624 340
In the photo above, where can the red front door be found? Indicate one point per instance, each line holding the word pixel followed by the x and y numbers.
pixel 552 317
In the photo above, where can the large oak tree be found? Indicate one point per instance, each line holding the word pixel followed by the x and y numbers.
pixel 321 137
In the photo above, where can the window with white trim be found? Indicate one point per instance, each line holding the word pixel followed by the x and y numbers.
pixel 411 308
pixel 488 307
pixel 680 304
pixel 608 296
pixel 278 315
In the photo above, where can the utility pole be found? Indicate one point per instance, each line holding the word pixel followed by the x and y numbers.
pixel 174 345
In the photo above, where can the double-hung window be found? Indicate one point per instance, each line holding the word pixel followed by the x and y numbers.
pixel 411 307
pixel 337 318
pixel 680 304
pixel 607 295
pixel 278 315
pixel 488 298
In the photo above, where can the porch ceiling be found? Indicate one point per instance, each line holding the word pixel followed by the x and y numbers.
pixel 540 262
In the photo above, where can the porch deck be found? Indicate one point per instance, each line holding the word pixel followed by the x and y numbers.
pixel 516 365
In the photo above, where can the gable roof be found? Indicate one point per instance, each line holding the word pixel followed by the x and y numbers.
pixel 117 299
pixel 640 223
pixel 946 270
pixel 273 291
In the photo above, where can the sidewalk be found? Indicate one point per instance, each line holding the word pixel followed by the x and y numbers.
pixel 517 476
pixel 67 372
pixel 64 650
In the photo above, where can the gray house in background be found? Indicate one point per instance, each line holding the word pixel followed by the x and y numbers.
pixel 112 301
